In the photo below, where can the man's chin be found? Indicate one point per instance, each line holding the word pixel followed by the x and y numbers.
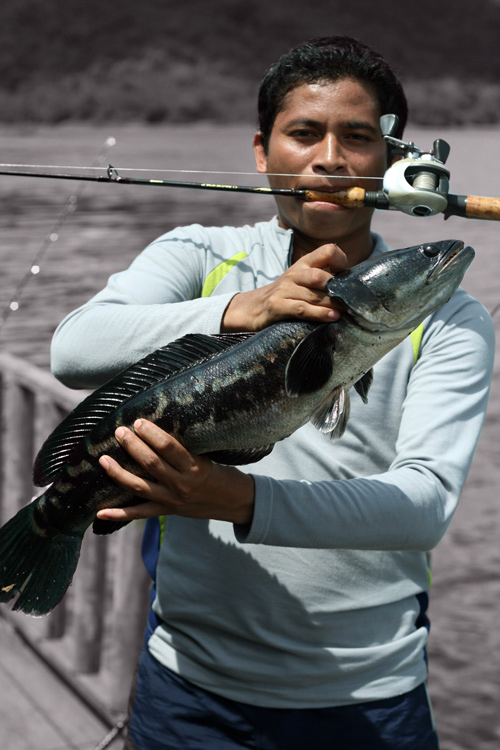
pixel 322 223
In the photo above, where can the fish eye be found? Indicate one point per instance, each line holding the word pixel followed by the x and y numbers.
pixel 431 251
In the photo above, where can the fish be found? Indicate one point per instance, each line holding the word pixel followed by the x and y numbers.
pixel 230 397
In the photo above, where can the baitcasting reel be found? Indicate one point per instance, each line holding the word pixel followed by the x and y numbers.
pixel 417 184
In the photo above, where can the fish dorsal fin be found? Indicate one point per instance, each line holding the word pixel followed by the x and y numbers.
pixel 159 365
pixel 311 364
pixel 363 385
pixel 332 417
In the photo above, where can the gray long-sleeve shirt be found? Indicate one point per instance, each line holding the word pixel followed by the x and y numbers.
pixel 320 601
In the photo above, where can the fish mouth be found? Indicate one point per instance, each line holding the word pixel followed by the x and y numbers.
pixel 453 258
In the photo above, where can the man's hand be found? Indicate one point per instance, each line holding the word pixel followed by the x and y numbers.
pixel 186 485
pixel 300 292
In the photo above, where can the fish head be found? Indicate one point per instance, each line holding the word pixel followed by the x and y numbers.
pixel 398 289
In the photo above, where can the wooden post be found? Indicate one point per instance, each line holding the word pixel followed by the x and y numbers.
pixel 18 418
pixel 2 441
pixel 20 382
pixel 132 587
pixel 90 603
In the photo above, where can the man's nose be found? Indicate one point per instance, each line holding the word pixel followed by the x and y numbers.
pixel 329 156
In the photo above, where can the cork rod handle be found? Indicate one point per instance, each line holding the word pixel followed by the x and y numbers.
pixel 477 207
pixel 351 197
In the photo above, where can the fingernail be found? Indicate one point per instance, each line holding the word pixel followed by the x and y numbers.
pixel 120 432
pixel 138 424
pixel 104 462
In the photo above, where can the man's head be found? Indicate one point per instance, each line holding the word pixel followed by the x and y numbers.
pixel 329 59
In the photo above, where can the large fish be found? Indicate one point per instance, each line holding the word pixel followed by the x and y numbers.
pixel 230 397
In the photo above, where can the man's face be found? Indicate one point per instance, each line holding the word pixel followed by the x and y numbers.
pixel 325 132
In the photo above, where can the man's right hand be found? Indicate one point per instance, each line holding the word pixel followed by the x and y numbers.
pixel 299 293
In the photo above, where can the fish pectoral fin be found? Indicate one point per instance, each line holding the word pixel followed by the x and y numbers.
pixel 332 417
pixel 241 457
pixel 363 385
pixel 311 364
pixel 101 527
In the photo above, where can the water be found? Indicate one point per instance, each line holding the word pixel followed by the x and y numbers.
pixel 111 224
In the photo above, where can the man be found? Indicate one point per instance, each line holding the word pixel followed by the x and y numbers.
pixel 290 598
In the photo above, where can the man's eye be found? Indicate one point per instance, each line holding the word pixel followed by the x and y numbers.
pixel 303 134
pixel 359 137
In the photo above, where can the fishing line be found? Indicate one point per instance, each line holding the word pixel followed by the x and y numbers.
pixel 495 310
pixel 53 235
pixel 183 171
pixel 112 734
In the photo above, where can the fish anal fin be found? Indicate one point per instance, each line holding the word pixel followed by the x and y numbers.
pixel 240 458
pixel 332 417
pixel 311 364
pixel 101 527
pixel 362 386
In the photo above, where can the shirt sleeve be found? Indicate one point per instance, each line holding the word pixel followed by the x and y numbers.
pixel 153 302
pixel 410 505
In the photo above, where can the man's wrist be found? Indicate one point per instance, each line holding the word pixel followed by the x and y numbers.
pixel 238 491
pixel 239 315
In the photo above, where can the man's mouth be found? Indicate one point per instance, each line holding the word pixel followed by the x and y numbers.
pixel 327 187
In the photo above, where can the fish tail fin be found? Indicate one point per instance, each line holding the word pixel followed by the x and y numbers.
pixel 35 564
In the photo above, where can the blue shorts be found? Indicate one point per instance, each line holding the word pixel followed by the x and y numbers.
pixel 170 713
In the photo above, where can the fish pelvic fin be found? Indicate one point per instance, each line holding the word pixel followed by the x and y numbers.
pixel 311 364
pixel 332 417
pixel 34 564
pixel 363 385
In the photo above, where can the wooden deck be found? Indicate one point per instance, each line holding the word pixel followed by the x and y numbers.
pixel 64 678
pixel 37 710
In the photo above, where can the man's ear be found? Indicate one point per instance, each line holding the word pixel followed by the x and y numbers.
pixel 260 154
pixel 394 158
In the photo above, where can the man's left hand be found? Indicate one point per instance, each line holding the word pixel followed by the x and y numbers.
pixel 186 485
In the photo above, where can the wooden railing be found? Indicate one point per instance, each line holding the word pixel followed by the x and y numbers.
pixel 93 637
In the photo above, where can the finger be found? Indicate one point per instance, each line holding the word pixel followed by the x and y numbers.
pixel 313 280
pixel 142 454
pixel 129 481
pixel 329 255
pixel 305 296
pixel 143 448
pixel 303 303
pixel 164 444
pixel 133 512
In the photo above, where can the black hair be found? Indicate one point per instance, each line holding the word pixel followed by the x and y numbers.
pixel 327 59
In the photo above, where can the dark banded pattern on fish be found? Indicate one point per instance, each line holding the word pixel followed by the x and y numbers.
pixel 230 397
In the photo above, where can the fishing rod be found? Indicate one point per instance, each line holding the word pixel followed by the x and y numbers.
pixel 113 176
pixel 417 184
